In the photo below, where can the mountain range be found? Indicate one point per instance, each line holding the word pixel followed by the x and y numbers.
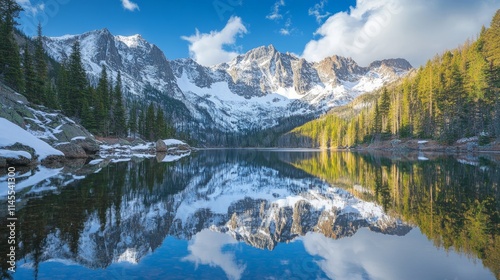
pixel 257 90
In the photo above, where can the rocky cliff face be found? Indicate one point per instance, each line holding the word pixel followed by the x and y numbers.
pixel 253 91
pixel 140 63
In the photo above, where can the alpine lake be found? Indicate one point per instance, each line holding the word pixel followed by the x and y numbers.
pixel 260 214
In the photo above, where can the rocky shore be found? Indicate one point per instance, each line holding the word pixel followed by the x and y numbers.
pixel 464 145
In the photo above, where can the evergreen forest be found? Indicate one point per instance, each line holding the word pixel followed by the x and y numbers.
pixel 455 95
pixel 101 107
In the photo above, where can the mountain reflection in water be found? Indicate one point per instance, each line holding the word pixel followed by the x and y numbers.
pixel 243 214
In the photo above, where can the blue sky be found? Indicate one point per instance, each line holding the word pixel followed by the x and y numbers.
pixel 213 31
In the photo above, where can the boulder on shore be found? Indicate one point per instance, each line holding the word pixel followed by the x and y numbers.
pixel 8 158
pixel 17 155
pixel 72 150
pixel 89 145
pixel 172 146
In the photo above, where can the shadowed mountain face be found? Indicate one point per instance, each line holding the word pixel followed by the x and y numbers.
pixel 252 92
pixel 125 210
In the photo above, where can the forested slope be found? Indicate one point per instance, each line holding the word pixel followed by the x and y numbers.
pixel 456 94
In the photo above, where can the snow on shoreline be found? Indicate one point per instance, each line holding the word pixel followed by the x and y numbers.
pixel 171 142
pixel 14 154
pixel 18 135
pixel 125 152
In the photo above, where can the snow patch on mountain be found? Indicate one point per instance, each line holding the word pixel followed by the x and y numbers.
pixel 133 41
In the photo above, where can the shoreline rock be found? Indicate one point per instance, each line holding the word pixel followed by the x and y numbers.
pixel 465 145
pixel 72 150
pixel 172 146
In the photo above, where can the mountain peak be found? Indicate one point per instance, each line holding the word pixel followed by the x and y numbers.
pixel 400 63
pixel 98 32
pixel 261 52
pixel 338 60
pixel 132 41
pixel 338 66
pixel 104 31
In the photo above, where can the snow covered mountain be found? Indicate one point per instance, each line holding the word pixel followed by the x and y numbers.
pixel 253 91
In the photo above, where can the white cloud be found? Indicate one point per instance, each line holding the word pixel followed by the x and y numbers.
pixel 284 32
pixel 275 13
pixel 279 17
pixel 411 29
pixel 287 29
pixel 317 11
pixel 207 48
pixel 30 8
pixel 206 249
pixel 371 255
pixel 129 5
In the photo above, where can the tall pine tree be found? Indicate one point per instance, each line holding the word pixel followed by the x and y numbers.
pixel 141 126
pixel 492 40
pixel 41 86
pixel 120 128
pixel 132 120
pixel 29 74
pixel 62 86
pixel 149 126
pixel 101 104
pixel 77 83
pixel 160 125
pixel 10 61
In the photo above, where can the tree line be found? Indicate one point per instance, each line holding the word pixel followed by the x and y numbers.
pixel 455 95
pixel 100 108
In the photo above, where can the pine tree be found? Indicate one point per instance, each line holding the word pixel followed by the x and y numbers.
pixel 101 104
pixel 51 97
pixel 88 118
pixel 41 69
pixel 62 87
pixel 149 126
pixel 161 125
pixel 13 72
pixel 10 61
pixel 492 40
pixel 118 110
pixel 384 107
pixel 132 120
pixel 141 123
pixel 29 75
pixel 77 83
pixel 377 120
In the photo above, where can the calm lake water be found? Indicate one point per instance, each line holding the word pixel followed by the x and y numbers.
pixel 245 214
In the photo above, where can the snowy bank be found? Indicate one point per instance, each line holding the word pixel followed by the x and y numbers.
pixel 12 134
pixel 122 150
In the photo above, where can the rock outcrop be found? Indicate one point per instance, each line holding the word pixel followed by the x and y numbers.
pixel 72 150
pixel 48 125
pixel 172 146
